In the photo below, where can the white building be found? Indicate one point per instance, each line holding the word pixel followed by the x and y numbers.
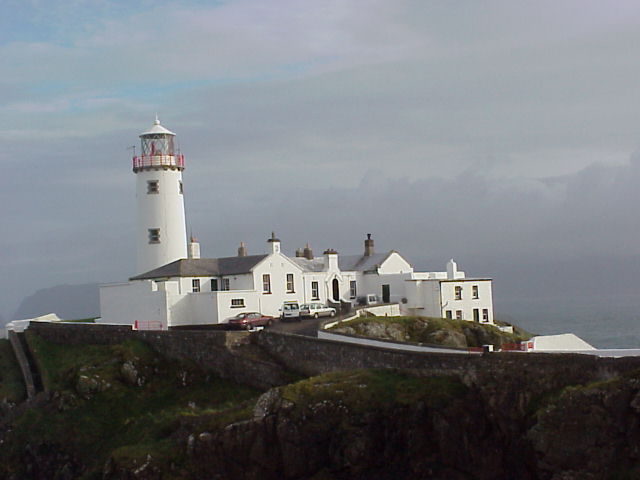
pixel 175 287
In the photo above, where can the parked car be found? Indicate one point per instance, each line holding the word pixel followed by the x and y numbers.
pixel 249 320
pixel 316 310
pixel 290 311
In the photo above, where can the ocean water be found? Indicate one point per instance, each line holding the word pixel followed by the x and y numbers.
pixel 606 321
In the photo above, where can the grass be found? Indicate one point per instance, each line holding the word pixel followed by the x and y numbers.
pixel 363 390
pixel 11 383
pixel 429 329
pixel 117 417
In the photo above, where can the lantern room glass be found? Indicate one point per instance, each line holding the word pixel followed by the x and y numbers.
pixel 157 144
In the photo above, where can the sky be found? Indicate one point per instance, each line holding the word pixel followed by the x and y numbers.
pixel 504 134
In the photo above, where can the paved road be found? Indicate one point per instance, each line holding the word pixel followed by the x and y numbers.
pixel 308 326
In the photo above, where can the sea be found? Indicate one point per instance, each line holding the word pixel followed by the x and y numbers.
pixel 604 321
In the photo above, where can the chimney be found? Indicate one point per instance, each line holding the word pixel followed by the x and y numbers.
pixel 242 250
pixel 275 243
pixel 331 260
pixel 452 270
pixel 193 249
pixel 307 252
pixel 368 246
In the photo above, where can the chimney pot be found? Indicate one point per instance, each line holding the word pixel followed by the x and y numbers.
pixel 307 252
pixel 368 246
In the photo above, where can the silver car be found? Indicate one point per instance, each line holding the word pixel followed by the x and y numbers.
pixel 316 310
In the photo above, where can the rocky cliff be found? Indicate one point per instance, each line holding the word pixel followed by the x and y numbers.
pixel 124 412
pixel 433 331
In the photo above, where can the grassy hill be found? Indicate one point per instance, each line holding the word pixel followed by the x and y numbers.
pixel 427 330
pixel 119 405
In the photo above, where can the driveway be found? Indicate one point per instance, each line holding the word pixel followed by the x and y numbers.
pixel 308 326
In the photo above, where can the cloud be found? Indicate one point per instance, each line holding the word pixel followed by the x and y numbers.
pixel 446 130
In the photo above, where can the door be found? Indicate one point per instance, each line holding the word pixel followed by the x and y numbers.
pixel 386 293
pixel 336 290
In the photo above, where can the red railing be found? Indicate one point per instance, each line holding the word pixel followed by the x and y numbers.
pixel 148 325
pixel 171 161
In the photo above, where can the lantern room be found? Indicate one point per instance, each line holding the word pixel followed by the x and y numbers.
pixel 157 140
pixel 158 150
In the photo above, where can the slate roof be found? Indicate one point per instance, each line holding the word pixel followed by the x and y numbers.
pixel 203 267
pixel 346 263
pixel 361 263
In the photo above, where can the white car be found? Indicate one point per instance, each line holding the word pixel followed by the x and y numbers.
pixel 316 310
pixel 290 311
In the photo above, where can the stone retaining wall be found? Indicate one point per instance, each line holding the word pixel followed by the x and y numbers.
pixel 265 359
pixel 228 354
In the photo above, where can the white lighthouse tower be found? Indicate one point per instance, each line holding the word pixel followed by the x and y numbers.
pixel 161 230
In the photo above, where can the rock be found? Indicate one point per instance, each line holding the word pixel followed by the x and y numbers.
pixel 87 386
pixel 448 338
pixel 65 400
pixel 269 403
pixel 191 441
pixel 131 375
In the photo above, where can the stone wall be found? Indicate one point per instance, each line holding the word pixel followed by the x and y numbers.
pixel 531 372
pixel 228 354
pixel 265 359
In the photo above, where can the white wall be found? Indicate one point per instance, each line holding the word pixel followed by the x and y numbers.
pixel 252 303
pixel 124 303
pixel 467 304
pixel 423 297
pixel 236 282
pixel 163 210
pixel 277 266
pixel 394 263
pixel 372 283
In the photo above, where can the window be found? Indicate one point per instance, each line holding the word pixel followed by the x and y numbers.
pixel 476 315
pixel 290 285
pixel 352 289
pixel 449 314
pixel 225 284
pixel 180 187
pixel 237 303
pixel 475 291
pixel 154 235
pixel 266 283
pixel 485 314
pixel 458 314
pixel 195 285
pixel 153 186
pixel 315 291
pixel 458 291
pixel 214 284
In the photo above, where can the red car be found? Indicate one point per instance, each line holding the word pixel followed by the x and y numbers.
pixel 249 320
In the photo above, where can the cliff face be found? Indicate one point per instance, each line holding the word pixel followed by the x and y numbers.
pixel 357 425
pixel 125 412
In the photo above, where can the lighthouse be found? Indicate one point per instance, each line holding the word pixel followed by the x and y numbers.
pixel 161 231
